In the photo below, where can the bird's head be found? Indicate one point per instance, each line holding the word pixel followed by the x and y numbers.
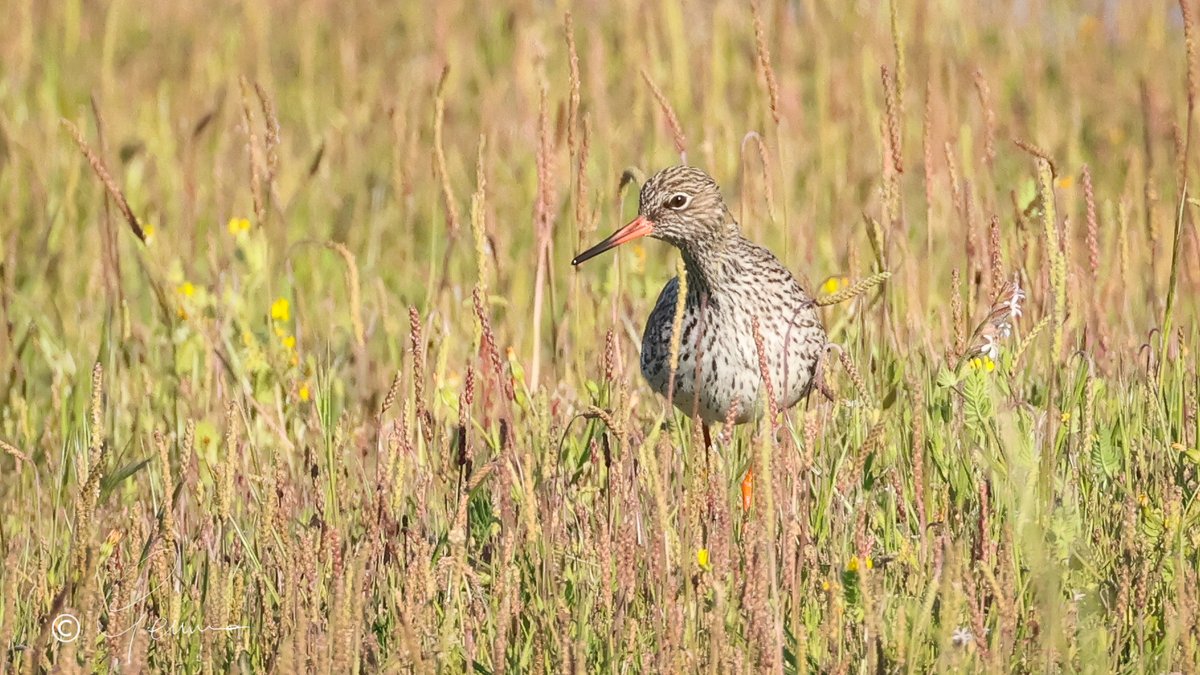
pixel 680 205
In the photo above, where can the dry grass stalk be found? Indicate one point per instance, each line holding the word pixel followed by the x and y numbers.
pixel 730 422
pixel 439 155
pixel 1123 243
pixel 764 372
pixel 672 120
pixel 927 143
pixel 583 221
pixel 858 288
pixel 400 147
pixel 167 527
pixel 918 458
pixel 12 450
pixel 768 192
pixel 1054 254
pixel 989 117
pixel 96 443
pixel 478 216
pixel 1177 137
pixel 892 117
pixel 994 254
pixel 698 359
pixel 956 190
pixel 860 384
pixel 89 488
pixel 1093 227
pixel 389 399
pixel 271 141
pixel 1177 237
pixel 225 470
pixel 543 218
pixel 763 603
pixel 958 321
pixel 488 344
pixel 573 100
pixel 763 54
pixel 1189 40
pixel 253 154
pixel 111 255
pixel 677 327
pixel 416 347
pixel 355 292
pixel 106 178
pixel 466 397
pixel 1028 340
pixel 1038 153
pixel 186 453
pixel 8 603
pixel 898 54
pixel 610 356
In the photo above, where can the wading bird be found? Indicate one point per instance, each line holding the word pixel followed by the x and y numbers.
pixel 730 282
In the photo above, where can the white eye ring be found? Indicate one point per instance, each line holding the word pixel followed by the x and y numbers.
pixel 678 201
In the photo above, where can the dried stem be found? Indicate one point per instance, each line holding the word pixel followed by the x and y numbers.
pixel 672 120
pixel 106 178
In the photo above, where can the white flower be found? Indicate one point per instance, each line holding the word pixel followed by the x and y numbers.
pixel 1018 296
pixel 990 348
pixel 962 637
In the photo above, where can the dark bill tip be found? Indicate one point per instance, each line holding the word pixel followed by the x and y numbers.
pixel 637 228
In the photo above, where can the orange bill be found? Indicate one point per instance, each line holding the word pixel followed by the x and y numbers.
pixel 636 229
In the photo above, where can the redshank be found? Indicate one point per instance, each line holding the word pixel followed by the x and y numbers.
pixel 730 282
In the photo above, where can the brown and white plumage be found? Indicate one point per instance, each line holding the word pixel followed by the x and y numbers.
pixel 730 282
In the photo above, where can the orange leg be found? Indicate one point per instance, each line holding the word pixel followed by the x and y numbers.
pixel 747 490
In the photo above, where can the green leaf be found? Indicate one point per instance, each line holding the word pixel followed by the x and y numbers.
pixel 1105 457
pixel 117 477
pixel 946 378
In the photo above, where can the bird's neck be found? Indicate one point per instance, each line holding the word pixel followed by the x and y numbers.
pixel 712 264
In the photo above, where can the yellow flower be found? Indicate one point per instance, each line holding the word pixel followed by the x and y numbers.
pixel 186 289
pixel 238 225
pixel 825 584
pixel 1065 417
pixel 281 310
pixel 148 230
pixel 702 557
pixel 1143 500
pixel 853 566
pixel 304 392
pixel 639 257
pixel 290 342
pixel 983 363
pixel 834 284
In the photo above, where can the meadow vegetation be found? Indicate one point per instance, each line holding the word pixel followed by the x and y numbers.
pixel 295 374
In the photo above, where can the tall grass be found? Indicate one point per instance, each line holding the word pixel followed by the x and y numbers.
pixel 403 450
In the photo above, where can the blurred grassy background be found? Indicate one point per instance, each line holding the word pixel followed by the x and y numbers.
pixel 332 399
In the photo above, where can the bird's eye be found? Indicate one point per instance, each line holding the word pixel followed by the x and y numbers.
pixel 678 201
